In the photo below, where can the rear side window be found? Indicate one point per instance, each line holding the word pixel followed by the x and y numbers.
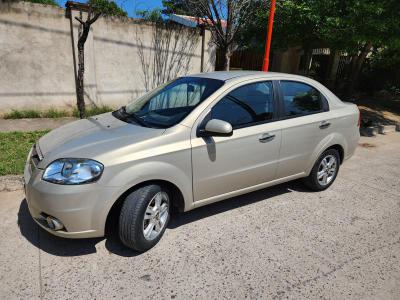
pixel 300 99
pixel 246 105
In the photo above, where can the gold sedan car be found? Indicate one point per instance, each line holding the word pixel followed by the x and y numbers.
pixel 192 141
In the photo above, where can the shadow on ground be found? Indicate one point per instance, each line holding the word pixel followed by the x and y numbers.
pixel 76 247
pixel 370 118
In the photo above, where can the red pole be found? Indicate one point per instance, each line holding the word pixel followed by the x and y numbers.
pixel 269 36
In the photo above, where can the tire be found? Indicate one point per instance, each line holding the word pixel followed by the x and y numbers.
pixel 139 212
pixel 312 181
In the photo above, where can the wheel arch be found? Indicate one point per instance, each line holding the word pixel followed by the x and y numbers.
pixel 333 141
pixel 339 149
pixel 178 201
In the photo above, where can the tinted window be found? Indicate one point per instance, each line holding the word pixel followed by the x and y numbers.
pixel 170 103
pixel 300 98
pixel 248 104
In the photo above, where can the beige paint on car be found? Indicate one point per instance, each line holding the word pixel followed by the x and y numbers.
pixel 198 167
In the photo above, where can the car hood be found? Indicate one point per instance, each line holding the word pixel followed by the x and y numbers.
pixel 92 137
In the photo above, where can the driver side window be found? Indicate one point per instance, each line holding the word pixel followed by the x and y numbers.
pixel 247 105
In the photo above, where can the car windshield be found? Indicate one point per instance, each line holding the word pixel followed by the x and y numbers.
pixel 170 103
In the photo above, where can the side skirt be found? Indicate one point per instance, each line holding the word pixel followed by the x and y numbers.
pixel 253 188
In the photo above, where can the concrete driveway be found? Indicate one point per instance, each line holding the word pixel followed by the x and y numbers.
pixel 281 242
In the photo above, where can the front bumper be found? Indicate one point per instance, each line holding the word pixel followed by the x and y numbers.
pixel 82 209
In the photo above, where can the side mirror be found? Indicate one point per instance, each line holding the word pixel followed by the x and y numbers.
pixel 216 127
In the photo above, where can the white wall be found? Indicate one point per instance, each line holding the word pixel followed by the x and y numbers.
pixel 36 61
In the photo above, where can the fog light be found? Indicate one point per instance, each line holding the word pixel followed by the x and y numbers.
pixel 53 223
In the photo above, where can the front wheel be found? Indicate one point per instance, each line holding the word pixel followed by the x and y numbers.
pixel 324 171
pixel 144 217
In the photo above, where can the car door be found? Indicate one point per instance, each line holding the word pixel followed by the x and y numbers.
pixel 305 121
pixel 249 157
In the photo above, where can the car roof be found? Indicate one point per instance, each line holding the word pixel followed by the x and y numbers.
pixel 229 75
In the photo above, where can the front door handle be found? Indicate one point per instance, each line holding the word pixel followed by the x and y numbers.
pixel 324 124
pixel 266 137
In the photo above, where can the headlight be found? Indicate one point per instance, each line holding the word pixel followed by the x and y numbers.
pixel 73 171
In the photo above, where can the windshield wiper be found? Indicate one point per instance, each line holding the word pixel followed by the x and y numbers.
pixel 125 116
pixel 122 110
pixel 137 119
pixel 120 113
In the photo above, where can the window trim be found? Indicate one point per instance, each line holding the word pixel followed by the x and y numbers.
pixel 275 106
pixel 281 112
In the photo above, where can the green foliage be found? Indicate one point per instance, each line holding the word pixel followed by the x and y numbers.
pixel 382 72
pixel 55 113
pixel 154 15
pixel 47 2
pixel 178 7
pixel 107 8
pixel 14 149
pixel 22 114
pixel 93 110
pixel 353 26
pixel 337 24
pixel 31 113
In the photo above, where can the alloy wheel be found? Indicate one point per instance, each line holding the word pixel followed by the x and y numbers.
pixel 156 216
pixel 327 170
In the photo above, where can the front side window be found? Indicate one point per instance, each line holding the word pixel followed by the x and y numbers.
pixel 168 104
pixel 300 98
pixel 246 105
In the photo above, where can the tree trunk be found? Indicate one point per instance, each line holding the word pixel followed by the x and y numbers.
pixel 307 60
pixel 80 101
pixel 357 63
pixel 227 59
pixel 85 27
pixel 330 75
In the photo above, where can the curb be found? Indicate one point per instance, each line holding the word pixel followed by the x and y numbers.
pixel 379 129
pixel 11 183
pixel 10 125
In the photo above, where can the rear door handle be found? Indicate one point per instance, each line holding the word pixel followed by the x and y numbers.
pixel 324 124
pixel 266 137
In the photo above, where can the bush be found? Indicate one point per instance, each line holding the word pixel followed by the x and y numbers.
pixel 382 72
pixel 22 114
pixel 32 114
pixel 54 113
pixel 93 110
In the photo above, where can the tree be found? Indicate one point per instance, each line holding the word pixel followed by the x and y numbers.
pixel 107 8
pixel 296 24
pixel 178 7
pixel 225 19
pixel 95 9
pixel 154 15
pixel 353 26
pixel 83 34
pixel 382 72
pixel 361 27
pixel 170 51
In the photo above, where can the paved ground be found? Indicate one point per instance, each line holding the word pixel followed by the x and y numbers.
pixel 32 124
pixel 281 242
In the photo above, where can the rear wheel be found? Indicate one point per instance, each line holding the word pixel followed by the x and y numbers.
pixel 324 171
pixel 144 217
